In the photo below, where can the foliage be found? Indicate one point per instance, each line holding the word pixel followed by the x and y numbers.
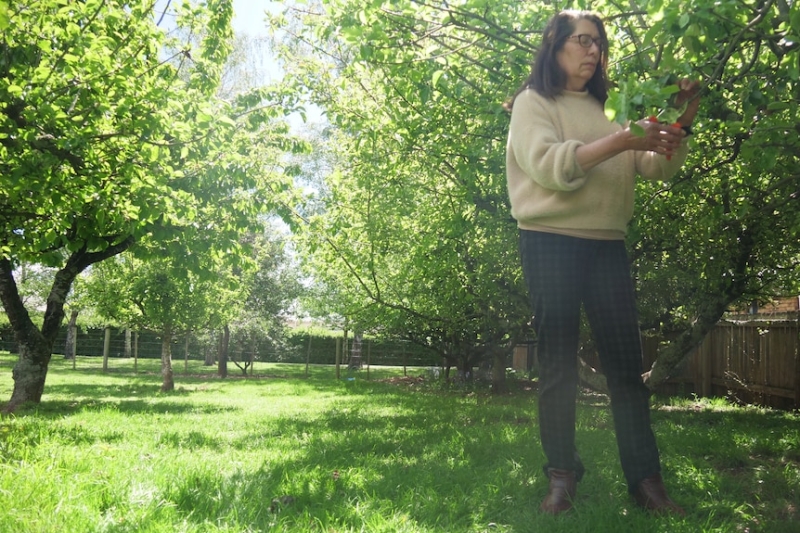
pixel 111 134
pixel 275 285
pixel 83 121
pixel 413 239
pixel 316 332
pixel 725 232
pixel 415 231
pixel 267 296
pixel 161 295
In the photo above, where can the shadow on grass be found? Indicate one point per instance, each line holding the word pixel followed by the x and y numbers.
pixel 141 393
pixel 428 465
pixel 444 460
pixel 409 452
pixel 128 406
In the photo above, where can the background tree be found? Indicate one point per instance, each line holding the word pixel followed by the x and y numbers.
pixel 414 232
pixel 163 296
pixel 104 141
pixel 269 295
pixel 415 215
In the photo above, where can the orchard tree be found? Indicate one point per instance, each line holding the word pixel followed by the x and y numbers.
pixel 727 230
pixel 414 237
pixel 414 229
pixel 271 295
pixel 105 139
pixel 161 295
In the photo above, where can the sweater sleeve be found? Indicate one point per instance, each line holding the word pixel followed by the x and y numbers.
pixel 538 150
pixel 655 167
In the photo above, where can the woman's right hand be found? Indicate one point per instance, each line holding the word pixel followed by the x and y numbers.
pixel 659 138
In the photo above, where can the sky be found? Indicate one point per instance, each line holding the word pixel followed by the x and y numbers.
pixel 248 18
pixel 248 15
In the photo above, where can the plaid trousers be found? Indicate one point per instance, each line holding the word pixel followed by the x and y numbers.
pixel 562 273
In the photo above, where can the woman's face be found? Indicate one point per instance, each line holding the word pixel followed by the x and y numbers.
pixel 579 63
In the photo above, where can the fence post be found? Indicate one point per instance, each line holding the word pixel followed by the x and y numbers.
pixel 706 362
pixel 186 354
pixel 308 353
pixel 338 356
pixel 797 367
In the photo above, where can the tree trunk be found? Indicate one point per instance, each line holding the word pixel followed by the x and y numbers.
pixel 689 339
pixel 590 377
pixel 106 348
pixel 719 297
pixel 135 352
pixel 29 375
pixel 72 336
pixel 464 369
pixel 167 378
pixel 222 366
pixel 678 350
pixel 36 346
pixel 128 346
pixel 208 354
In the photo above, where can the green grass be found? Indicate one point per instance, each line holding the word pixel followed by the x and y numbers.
pixel 107 452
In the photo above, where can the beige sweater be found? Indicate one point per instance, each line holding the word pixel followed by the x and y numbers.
pixel 549 191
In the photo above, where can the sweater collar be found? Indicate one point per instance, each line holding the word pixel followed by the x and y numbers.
pixel 579 94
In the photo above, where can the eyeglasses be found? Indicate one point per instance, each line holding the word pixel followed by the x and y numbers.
pixel 586 40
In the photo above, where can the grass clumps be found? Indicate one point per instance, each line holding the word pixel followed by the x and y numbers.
pixel 107 452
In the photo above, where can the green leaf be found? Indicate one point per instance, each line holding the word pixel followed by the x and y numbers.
pixel 436 77
pixel 778 106
pixel 228 121
pixel 5 20
pixel 352 34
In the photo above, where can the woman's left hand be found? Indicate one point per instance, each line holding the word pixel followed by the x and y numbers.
pixel 690 95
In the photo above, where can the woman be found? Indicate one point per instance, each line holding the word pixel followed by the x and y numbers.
pixel 571 185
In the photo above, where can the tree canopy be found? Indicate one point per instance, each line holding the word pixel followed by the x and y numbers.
pixel 415 222
pixel 113 133
pixel 110 133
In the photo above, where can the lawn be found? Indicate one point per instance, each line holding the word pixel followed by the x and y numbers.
pixel 107 452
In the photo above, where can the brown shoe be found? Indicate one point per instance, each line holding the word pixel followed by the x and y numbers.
pixel 652 495
pixel 562 489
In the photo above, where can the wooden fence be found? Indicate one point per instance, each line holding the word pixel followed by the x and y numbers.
pixel 755 362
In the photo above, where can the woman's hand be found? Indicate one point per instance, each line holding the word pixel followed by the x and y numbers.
pixel 664 139
pixel 689 94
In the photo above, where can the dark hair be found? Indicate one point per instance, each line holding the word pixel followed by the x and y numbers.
pixel 546 76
